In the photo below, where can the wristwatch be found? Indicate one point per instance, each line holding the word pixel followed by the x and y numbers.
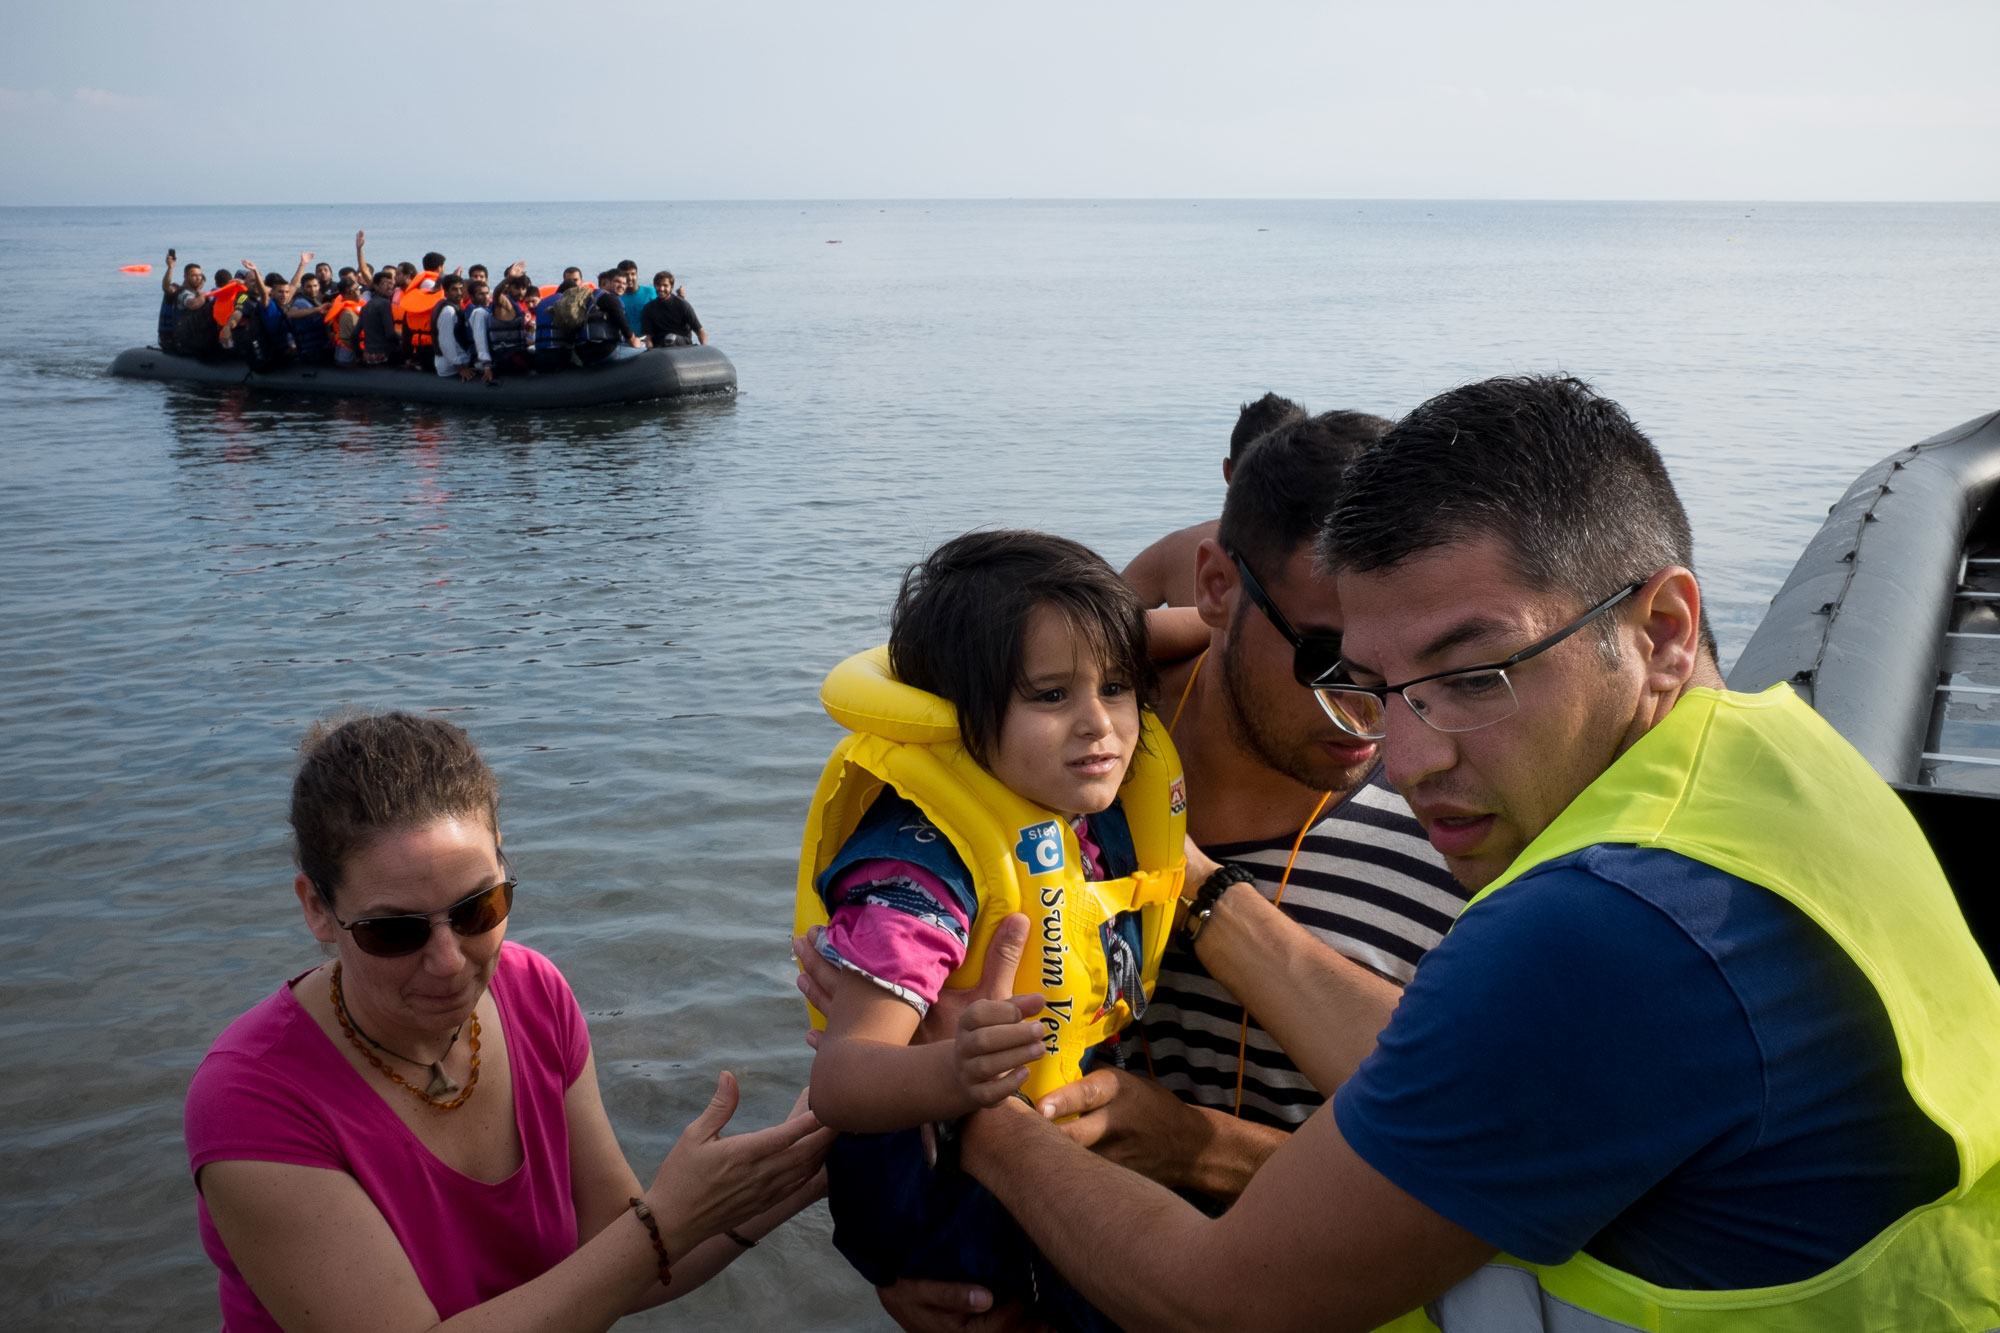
pixel 1203 903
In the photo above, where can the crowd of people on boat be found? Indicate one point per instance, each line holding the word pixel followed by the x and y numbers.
pixel 1416 933
pixel 458 323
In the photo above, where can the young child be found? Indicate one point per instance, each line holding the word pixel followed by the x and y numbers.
pixel 1001 762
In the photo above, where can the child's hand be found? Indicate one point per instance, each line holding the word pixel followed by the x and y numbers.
pixel 997 1040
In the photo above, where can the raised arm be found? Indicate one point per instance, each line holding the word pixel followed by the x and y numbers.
pixel 1324 1010
pixel 168 287
pixel 305 262
pixel 361 257
pixel 1173 633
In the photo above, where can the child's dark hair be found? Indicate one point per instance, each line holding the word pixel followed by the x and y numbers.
pixel 960 625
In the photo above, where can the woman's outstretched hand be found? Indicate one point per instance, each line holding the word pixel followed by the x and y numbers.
pixel 709 1183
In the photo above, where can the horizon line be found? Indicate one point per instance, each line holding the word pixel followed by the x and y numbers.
pixel 1019 199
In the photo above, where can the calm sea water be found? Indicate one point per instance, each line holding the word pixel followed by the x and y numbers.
pixel 630 609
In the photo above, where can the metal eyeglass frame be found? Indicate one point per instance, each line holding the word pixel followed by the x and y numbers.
pixel 1324 686
pixel 1302 670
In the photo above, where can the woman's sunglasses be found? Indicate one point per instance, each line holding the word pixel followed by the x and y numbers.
pixel 400 936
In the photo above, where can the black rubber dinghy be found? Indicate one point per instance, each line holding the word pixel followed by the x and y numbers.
pixel 664 372
pixel 1889 626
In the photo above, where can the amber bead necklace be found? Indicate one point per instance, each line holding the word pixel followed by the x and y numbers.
pixel 441 1085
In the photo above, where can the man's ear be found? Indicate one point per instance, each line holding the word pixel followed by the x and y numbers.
pixel 1216 585
pixel 319 917
pixel 1669 629
pixel 1228 470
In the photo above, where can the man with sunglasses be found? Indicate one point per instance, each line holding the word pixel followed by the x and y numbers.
pixel 1710 1048
pixel 1276 788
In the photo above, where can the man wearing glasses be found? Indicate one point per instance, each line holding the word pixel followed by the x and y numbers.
pixel 1710 1048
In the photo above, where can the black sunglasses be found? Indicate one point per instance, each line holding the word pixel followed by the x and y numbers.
pixel 400 936
pixel 1313 655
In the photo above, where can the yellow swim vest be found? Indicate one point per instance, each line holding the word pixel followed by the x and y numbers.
pixel 1023 858
pixel 1761 787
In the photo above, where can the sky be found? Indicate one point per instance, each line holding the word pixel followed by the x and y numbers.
pixel 223 101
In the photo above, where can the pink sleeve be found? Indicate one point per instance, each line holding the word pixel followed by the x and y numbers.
pixel 237 1112
pixel 556 1006
pixel 899 926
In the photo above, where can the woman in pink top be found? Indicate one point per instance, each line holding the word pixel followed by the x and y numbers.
pixel 413 1132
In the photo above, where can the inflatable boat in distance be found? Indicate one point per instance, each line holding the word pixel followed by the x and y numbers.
pixel 1889 626
pixel 664 372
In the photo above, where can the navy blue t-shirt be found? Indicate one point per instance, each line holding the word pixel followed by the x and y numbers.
pixel 277 329
pixel 1633 1054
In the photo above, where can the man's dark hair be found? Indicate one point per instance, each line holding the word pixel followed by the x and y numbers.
pixel 628 266
pixel 188 270
pixel 1288 482
pixel 1555 471
pixel 663 283
pixel 223 277
pixel 407 269
pixel 478 269
pixel 387 271
pixel 960 626
pixel 1261 418
pixel 449 281
pixel 347 270
pixel 433 262
pixel 573 272
pixel 604 278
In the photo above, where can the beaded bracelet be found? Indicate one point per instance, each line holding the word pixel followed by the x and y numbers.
pixel 645 1215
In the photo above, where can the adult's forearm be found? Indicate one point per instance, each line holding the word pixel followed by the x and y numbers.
pixel 1325 1011
pixel 613 1273
pixel 1147 1270
pixel 1233 1152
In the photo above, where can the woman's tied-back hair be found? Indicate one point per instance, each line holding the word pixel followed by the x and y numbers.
pixel 362 777
pixel 960 625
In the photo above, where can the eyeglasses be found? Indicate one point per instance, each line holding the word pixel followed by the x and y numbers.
pixel 1462 699
pixel 400 936
pixel 1313 655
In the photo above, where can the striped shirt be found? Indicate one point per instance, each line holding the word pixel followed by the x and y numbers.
pixel 1368 883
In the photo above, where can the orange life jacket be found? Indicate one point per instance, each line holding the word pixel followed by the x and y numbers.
pixel 222 304
pixel 341 305
pixel 416 308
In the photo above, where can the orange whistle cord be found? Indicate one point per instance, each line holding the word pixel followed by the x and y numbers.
pixel 1284 881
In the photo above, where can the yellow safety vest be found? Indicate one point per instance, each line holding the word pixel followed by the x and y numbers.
pixel 1023 858
pixel 1761 787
